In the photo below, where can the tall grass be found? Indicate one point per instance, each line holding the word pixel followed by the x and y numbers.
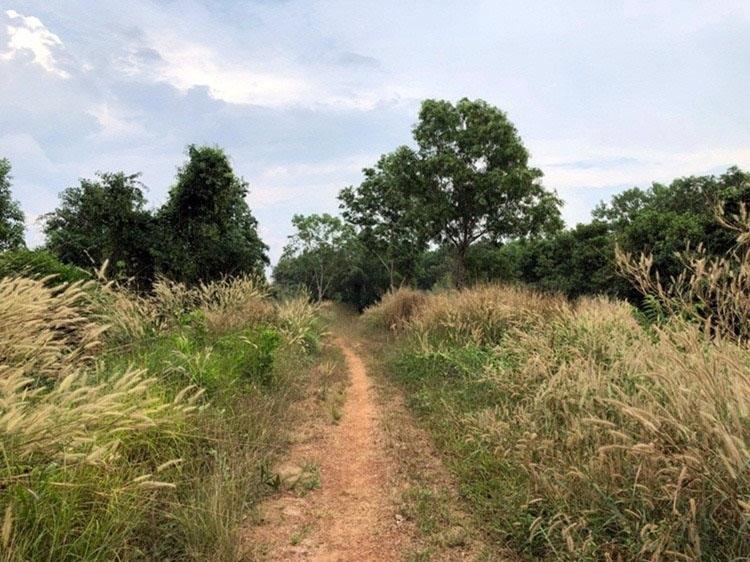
pixel 577 434
pixel 109 446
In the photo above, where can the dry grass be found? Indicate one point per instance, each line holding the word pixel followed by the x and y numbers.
pixel 45 331
pixel 396 309
pixel 297 319
pixel 580 435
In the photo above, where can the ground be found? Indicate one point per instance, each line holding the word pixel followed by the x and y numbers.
pixel 361 481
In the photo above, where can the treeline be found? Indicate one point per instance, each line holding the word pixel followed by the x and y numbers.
pixel 462 206
pixel 204 231
pixel 465 207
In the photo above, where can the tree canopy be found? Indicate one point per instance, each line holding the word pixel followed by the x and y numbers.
pixel 104 219
pixel 385 208
pixel 318 254
pixel 207 229
pixel 480 185
pixel 11 216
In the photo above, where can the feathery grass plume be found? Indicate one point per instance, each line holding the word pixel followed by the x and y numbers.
pixel 484 313
pixel 234 302
pixel 395 309
pixel 578 434
pixel 46 331
pixel 297 319
pixel 711 290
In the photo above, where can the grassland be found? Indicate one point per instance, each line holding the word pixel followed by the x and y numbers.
pixel 142 428
pixel 576 432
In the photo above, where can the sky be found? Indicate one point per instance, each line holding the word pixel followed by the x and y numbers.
pixel 303 94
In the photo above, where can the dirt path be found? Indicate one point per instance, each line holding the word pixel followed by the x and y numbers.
pixel 351 515
pixel 361 482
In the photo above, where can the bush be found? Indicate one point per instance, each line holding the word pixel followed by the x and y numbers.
pixel 396 309
pixel 39 264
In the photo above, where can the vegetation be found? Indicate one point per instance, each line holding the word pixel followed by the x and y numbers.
pixel 578 433
pixel 104 220
pixel 141 427
pixel 11 216
pixel 588 386
pixel 207 229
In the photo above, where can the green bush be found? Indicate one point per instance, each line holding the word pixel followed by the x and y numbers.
pixel 39 263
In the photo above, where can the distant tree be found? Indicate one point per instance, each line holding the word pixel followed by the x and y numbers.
pixel 207 229
pixel 576 262
pixel 318 254
pixel 479 183
pixel 663 218
pixel 11 216
pixel 385 209
pixel 104 219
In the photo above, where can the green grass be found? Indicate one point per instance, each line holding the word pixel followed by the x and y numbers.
pixel 83 512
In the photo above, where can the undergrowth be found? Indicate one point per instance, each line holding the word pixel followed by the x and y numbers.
pixel 576 433
pixel 141 427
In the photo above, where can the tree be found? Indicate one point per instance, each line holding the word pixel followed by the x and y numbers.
pixel 318 254
pixel 479 185
pixel 104 219
pixel 385 210
pixel 576 262
pixel 207 229
pixel 11 216
pixel 663 218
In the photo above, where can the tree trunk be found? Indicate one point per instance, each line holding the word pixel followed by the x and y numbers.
pixel 460 267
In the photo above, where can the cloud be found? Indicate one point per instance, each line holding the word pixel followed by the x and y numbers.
pixel 258 79
pixel 113 122
pixel 186 65
pixel 350 59
pixel 30 34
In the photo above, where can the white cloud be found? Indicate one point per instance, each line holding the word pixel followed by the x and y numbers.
pixel 113 122
pixel 28 33
pixel 570 165
pixel 253 80
pixel 186 65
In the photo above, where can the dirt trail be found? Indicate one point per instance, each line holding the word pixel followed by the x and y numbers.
pixel 351 516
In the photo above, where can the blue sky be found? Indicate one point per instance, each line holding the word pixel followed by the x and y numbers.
pixel 303 94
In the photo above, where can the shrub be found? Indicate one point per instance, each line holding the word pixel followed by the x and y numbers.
pixel 396 309
pixel 40 264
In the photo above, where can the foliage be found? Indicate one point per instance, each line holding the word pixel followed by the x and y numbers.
pixel 479 184
pixel 40 264
pixel 385 209
pixel 104 220
pixel 576 262
pixel 11 216
pixel 207 230
pixel 662 219
pixel 713 291
pixel 317 255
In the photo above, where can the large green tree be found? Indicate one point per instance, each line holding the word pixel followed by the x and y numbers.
pixel 479 185
pixel 104 219
pixel 385 209
pixel 11 216
pixel 207 229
